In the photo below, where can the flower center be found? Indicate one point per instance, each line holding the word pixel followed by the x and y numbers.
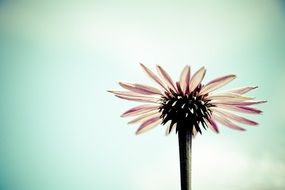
pixel 186 111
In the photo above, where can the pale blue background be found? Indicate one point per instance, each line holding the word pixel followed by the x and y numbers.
pixel 61 130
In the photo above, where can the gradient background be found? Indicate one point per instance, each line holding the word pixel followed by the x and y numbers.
pixel 61 130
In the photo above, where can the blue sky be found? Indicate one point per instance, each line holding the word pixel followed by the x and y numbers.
pixel 60 129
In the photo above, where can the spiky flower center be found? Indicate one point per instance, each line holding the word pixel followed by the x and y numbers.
pixel 185 110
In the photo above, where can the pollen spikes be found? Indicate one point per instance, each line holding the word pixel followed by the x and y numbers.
pixel 186 111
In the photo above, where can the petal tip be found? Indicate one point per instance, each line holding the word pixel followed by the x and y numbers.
pixel 121 83
pixel 143 66
pixel 138 132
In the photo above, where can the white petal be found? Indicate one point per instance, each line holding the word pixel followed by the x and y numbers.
pixel 166 78
pixel 148 124
pixel 185 79
pixel 197 79
pixel 216 83
pixel 153 76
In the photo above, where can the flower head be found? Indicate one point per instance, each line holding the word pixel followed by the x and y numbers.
pixel 187 104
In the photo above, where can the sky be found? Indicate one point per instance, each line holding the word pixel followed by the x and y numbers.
pixel 61 130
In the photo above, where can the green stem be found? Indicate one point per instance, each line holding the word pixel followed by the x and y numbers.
pixel 185 144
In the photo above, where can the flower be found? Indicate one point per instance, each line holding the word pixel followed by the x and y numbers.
pixel 187 104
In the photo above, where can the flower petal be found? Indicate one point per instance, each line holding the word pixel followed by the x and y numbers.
pixel 242 109
pixel 178 88
pixel 243 90
pixel 226 122
pixel 150 89
pixel 139 98
pixel 234 117
pixel 216 83
pixel 145 116
pixel 228 97
pixel 133 95
pixel 185 79
pixel 141 89
pixel 246 103
pixel 127 93
pixel 196 79
pixel 167 79
pixel 153 76
pixel 148 124
pixel 212 125
pixel 140 109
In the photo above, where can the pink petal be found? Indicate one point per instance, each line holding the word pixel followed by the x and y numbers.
pixel 227 96
pixel 140 109
pixel 243 90
pixel 141 89
pixel 138 98
pixel 185 79
pixel 126 93
pixel 243 109
pixel 167 79
pixel 153 77
pixel 145 117
pixel 197 79
pixel 212 125
pixel 226 122
pixel 235 117
pixel 241 103
pixel 216 83
pixel 179 91
pixel 150 89
pixel 148 124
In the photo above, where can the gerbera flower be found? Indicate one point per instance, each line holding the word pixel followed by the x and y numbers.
pixel 187 103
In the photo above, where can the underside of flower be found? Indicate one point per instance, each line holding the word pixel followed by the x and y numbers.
pixel 185 111
pixel 187 104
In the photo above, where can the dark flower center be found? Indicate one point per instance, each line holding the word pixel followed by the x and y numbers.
pixel 186 111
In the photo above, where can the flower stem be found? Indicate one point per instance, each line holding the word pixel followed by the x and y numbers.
pixel 185 144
